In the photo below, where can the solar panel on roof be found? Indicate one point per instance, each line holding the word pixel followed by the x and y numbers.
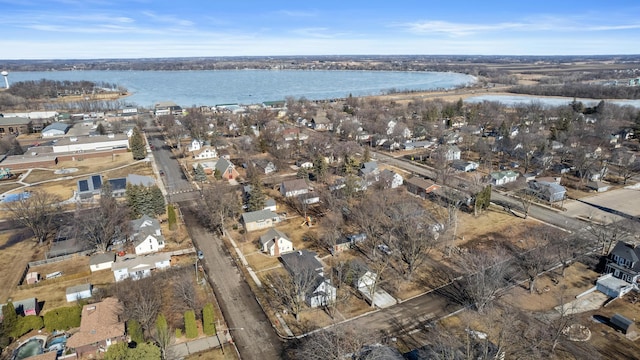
pixel 97 182
pixel 118 184
pixel 83 185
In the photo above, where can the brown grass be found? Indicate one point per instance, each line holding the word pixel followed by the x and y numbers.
pixel 216 354
pixel 17 250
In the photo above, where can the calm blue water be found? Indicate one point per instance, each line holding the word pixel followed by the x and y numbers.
pixel 188 88
pixel 513 100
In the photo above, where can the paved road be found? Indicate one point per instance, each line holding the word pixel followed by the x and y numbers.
pixel 556 218
pixel 174 179
pixel 258 339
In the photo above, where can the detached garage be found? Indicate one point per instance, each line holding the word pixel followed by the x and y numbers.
pixel 102 261
pixel 78 292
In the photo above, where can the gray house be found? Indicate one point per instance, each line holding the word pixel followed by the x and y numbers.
pixel 624 262
pixel 305 268
pixel 549 191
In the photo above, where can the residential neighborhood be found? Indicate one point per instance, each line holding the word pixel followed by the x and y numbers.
pixel 421 219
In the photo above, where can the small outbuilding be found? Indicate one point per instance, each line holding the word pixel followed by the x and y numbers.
pixel 624 324
pixel 78 292
pixel 32 278
pixel 55 129
pixel 102 261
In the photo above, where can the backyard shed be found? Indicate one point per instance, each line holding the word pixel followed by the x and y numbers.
pixel 624 324
pixel 78 292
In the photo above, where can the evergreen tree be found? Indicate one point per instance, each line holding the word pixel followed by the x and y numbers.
pixel 366 157
pixel 145 200
pixel 199 174
pixel 320 167
pixel 137 146
pixel 135 331
pixel 190 326
pixel 162 335
pixel 100 129
pixel 256 195
pixel 9 318
pixel 159 206
pixel 208 323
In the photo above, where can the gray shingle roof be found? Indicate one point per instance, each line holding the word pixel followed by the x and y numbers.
pixel 102 258
pixel 253 216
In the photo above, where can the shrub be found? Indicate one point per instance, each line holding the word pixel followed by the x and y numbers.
pixel 171 217
pixel 190 327
pixel 135 331
pixel 178 333
pixel 63 318
pixel 26 324
pixel 208 325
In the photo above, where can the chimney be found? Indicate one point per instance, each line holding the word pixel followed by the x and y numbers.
pixel 276 251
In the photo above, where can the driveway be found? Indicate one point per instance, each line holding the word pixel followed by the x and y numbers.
pixel 251 330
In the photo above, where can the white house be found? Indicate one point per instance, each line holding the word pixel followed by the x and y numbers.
pixel 101 261
pixel 147 241
pixel 195 145
pixel 452 153
pixel 503 177
pixel 147 236
pixel 321 293
pixel 205 152
pixel 140 267
pixel 391 179
pixel 82 291
pixel 275 242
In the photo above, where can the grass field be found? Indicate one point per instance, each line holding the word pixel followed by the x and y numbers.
pixel 20 249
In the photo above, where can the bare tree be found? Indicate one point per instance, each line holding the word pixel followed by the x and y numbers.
pixel 412 235
pixel 184 291
pixel 608 232
pixel 104 224
pixel 487 273
pixel 222 202
pixel 141 300
pixel 566 248
pixel 337 343
pixel 36 213
pixel 292 290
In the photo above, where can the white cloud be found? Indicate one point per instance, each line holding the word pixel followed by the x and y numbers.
pixel 297 13
pixel 167 19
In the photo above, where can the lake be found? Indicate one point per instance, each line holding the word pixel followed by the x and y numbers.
pixel 188 88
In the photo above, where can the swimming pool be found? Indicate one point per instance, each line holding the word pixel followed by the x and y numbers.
pixel 33 346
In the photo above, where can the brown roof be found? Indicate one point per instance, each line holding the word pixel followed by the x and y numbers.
pixel 51 355
pixel 99 322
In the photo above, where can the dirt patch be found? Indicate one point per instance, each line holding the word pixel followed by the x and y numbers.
pixel 551 289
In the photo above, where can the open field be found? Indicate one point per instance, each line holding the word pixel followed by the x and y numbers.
pixel 21 249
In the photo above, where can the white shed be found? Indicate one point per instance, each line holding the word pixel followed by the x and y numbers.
pixel 78 292
pixel 102 261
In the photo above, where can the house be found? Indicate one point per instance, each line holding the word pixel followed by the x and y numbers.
pixel 419 186
pixel 147 236
pixel 146 241
pixel 390 179
pixel 78 292
pixel 100 327
pixel 226 169
pixel 598 186
pixel 304 266
pixel 275 242
pixel 24 307
pixel 624 324
pixel 347 242
pixel 293 188
pixel 549 191
pixel 366 282
pixel 261 219
pixel 195 145
pixel 465 166
pixel 265 166
pixel 305 164
pixel 129 110
pixel 301 261
pixel 321 123
pixel 499 178
pixel 452 153
pixel 321 292
pixel 294 134
pixel 368 168
pixel 624 262
pixel 14 126
pixel 55 129
pixel 205 152
pixel 102 261
pixel 140 267
pixel 167 108
pixel 412 145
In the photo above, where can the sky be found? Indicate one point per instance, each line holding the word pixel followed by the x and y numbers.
pixel 90 29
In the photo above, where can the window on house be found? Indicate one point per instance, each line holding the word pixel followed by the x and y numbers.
pixel 10 130
pixel 1 130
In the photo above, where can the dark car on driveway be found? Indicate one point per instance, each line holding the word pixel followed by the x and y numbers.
pixel 161 172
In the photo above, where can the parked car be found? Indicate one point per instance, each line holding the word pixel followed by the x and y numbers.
pixel 200 255
pixel 161 172
pixel 385 249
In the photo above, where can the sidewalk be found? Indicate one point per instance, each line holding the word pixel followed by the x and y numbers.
pixel 182 350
